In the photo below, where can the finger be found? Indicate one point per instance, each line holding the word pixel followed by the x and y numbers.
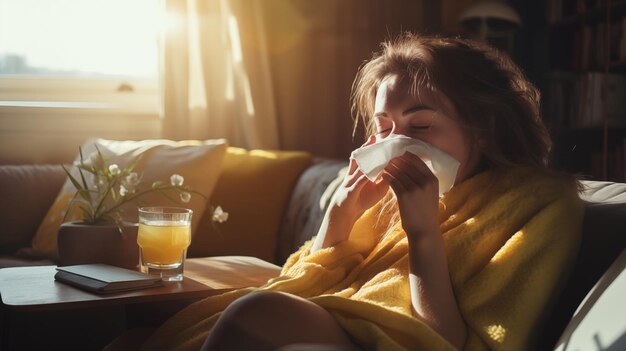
pixel 352 179
pixel 399 176
pixel 352 167
pixel 376 191
pixel 407 173
pixel 412 167
pixel 414 162
pixel 394 183
pixel 381 188
pixel 414 159
pixel 353 164
pixel 408 167
pixel 371 140
pixel 357 183
pixel 417 171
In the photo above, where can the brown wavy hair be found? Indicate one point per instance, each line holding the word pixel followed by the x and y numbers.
pixel 495 102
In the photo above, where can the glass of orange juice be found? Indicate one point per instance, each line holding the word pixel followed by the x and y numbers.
pixel 163 237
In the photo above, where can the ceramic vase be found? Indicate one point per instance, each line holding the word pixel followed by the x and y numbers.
pixel 81 243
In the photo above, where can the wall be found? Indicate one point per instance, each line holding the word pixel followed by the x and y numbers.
pixel 53 135
pixel 316 50
pixel 45 119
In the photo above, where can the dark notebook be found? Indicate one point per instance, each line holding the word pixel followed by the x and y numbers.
pixel 102 278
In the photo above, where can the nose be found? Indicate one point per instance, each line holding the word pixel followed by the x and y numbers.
pixel 397 128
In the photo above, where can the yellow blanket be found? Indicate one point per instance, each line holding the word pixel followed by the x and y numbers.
pixel 510 241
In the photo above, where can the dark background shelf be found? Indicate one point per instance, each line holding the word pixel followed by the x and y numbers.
pixel 563 46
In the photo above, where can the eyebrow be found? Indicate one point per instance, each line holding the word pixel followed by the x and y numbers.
pixel 408 111
pixel 415 109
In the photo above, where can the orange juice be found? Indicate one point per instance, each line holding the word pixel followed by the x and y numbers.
pixel 163 243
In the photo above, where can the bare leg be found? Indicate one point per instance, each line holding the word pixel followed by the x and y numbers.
pixel 270 320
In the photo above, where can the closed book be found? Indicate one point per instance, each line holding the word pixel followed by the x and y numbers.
pixel 103 278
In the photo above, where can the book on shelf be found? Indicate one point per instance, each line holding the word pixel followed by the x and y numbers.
pixel 585 38
pixel 620 173
pixel 615 164
pixel 598 51
pixel 623 162
pixel 622 43
pixel 578 100
pixel 561 96
pixel 103 278
pixel 588 50
pixel 557 10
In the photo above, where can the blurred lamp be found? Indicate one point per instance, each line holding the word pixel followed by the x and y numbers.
pixel 492 22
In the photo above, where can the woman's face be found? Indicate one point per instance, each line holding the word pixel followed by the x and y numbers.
pixel 421 117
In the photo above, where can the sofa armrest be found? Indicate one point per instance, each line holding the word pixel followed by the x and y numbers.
pixel 603 239
pixel 27 191
pixel 598 322
pixel 605 192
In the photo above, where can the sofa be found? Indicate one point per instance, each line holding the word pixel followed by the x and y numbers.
pixel 29 190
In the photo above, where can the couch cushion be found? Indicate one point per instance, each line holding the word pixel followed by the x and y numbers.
pixel 308 204
pixel 27 193
pixel 199 162
pixel 254 187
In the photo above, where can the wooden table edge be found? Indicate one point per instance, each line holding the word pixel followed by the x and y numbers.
pixel 196 289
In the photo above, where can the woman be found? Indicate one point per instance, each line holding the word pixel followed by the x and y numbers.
pixel 394 266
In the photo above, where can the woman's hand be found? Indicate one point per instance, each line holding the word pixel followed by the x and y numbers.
pixel 357 193
pixel 417 191
pixel 353 197
pixel 432 297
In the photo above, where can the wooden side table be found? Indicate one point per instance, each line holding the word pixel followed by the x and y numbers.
pixel 61 316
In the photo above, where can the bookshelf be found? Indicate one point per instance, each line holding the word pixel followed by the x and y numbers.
pixel 586 86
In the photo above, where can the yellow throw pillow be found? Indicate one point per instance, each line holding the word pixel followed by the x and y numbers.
pixel 199 162
pixel 254 188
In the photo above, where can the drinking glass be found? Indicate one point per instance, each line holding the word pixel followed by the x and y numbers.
pixel 163 237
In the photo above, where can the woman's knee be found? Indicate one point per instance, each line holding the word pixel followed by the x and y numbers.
pixel 249 319
pixel 270 319
pixel 264 298
pixel 258 304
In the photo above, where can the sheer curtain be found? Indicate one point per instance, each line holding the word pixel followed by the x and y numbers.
pixel 276 73
pixel 216 83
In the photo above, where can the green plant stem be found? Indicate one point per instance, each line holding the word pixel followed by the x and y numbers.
pixel 132 198
pixel 103 199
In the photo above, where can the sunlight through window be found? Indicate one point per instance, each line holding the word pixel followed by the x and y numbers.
pixel 83 38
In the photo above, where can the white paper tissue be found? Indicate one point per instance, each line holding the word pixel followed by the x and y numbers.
pixel 373 158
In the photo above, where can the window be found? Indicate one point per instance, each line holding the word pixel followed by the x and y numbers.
pixel 88 54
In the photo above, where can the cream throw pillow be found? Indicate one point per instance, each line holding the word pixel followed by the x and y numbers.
pixel 199 162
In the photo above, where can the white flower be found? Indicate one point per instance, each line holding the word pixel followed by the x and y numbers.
pixel 129 183
pixel 114 169
pixel 123 190
pixel 185 196
pixel 219 215
pixel 131 180
pixel 177 180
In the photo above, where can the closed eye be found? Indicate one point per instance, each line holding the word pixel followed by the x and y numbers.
pixel 423 127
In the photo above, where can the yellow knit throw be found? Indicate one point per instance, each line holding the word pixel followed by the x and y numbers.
pixel 510 240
